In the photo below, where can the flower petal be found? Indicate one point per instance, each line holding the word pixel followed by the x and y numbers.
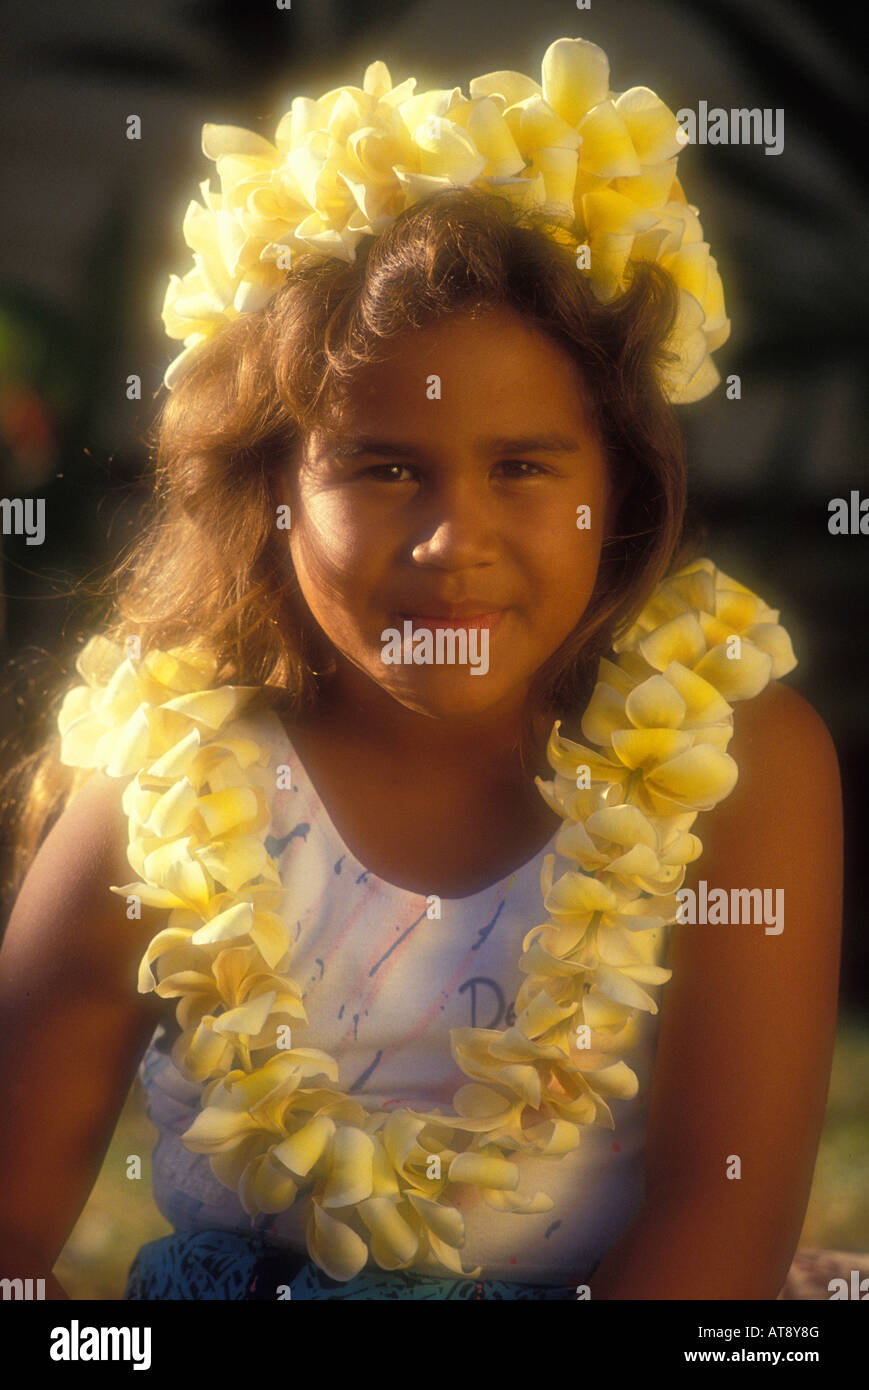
pixel 350 1174
pixel 340 1252
pixel 575 77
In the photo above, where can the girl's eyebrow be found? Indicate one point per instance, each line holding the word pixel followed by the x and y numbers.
pixel 350 446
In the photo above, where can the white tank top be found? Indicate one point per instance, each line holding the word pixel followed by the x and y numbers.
pixel 383 984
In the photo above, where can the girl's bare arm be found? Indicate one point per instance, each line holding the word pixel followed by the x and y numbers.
pixel 72 1027
pixel 747 1031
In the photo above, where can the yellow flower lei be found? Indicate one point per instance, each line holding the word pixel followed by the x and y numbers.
pixel 601 164
pixel 276 1122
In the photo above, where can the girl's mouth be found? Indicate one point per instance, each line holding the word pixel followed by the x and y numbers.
pixel 436 621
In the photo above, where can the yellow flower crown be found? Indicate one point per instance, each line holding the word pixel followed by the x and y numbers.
pixel 601 164
pixel 275 1119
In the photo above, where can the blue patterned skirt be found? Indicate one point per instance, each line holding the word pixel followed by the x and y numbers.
pixel 226 1265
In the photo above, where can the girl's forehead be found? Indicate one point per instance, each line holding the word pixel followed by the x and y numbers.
pixel 474 353
pixel 492 362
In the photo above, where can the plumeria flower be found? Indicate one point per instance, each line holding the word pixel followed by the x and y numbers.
pixel 664 734
pixel 528 1084
pixel 690 622
pixel 592 937
pixel 628 851
pixel 251 918
pixel 601 164
pixel 588 1027
pixel 230 1007
pixel 645 721
pixel 187 843
pixel 268 1130
pixel 663 772
pixel 142 709
pixel 395 1230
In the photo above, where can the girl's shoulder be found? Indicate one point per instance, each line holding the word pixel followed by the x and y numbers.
pixel 788 772
pixel 780 830
pixel 65 911
pixel 780 715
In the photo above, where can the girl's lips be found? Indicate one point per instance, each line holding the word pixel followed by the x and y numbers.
pixel 436 621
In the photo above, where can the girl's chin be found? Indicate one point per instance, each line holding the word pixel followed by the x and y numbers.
pixel 446 695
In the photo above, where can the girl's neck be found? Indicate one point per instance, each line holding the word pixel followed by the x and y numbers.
pixel 352 705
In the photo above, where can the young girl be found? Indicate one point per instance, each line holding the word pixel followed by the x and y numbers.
pixel 400 857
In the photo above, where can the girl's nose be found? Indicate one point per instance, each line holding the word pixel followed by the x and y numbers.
pixel 456 533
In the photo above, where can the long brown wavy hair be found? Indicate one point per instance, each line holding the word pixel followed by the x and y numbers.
pixel 210 565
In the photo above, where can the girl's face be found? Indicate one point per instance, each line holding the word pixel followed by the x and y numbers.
pixel 447 496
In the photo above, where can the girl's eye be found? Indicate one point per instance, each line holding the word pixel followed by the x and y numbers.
pixel 387 472
pixel 520 463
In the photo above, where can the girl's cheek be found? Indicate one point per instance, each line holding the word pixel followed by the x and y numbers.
pixel 340 555
pixel 326 529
